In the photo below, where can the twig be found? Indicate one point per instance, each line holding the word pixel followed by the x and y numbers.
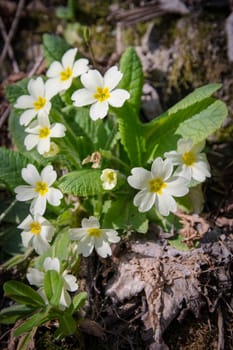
pixel 9 47
pixel 4 116
pixel 37 64
pixel 12 30
pixel 220 330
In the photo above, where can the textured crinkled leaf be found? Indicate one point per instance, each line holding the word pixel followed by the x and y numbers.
pixel 197 95
pixel 54 47
pixel 16 90
pixel 11 164
pixel 123 215
pixel 132 80
pixel 203 124
pixel 85 182
pixel 131 134
pixel 162 133
pixel 98 134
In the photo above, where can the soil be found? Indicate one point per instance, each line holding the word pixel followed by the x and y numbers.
pixel 178 54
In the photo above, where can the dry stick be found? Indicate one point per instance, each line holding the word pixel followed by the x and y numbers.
pixel 4 116
pixel 220 329
pixel 37 64
pixel 9 47
pixel 12 30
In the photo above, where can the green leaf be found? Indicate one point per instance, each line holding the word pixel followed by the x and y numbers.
pixel 22 294
pixel 98 133
pixel 132 80
pixel 34 321
pixel 78 301
pixel 11 164
pixel 26 341
pixel 53 284
pixel 61 241
pixel 178 243
pixel 131 134
pixel 68 12
pixel 197 95
pixel 54 47
pixel 11 241
pixel 13 313
pixel 124 215
pixel 17 131
pixel 15 260
pixel 67 324
pixel 162 133
pixel 85 182
pixel 203 124
pixel 18 135
pixel 16 90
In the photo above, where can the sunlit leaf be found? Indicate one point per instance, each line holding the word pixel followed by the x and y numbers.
pixel 85 182
pixel 203 124
pixel 132 80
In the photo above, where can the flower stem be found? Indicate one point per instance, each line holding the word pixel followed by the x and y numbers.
pixel 70 140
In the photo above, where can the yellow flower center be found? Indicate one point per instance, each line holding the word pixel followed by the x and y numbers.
pixel 41 188
pixel 189 158
pixel 102 94
pixel 94 232
pixel 35 227
pixel 157 185
pixel 66 74
pixel 39 103
pixel 44 132
pixel 110 176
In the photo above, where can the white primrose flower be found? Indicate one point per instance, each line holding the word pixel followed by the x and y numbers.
pixel 36 277
pixel 37 232
pixel 109 178
pixel 40 133
pixel 61 74
pixel 37 102
pixel 192 164
pixel 39 188
pixel 99 91
pixel 157 187
pixel 90 236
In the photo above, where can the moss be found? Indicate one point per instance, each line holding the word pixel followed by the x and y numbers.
pixel 45 340
pixel 225 134
pixel 193 55
pixel 199 57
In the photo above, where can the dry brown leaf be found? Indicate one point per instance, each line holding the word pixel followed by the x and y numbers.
pixel 169 279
